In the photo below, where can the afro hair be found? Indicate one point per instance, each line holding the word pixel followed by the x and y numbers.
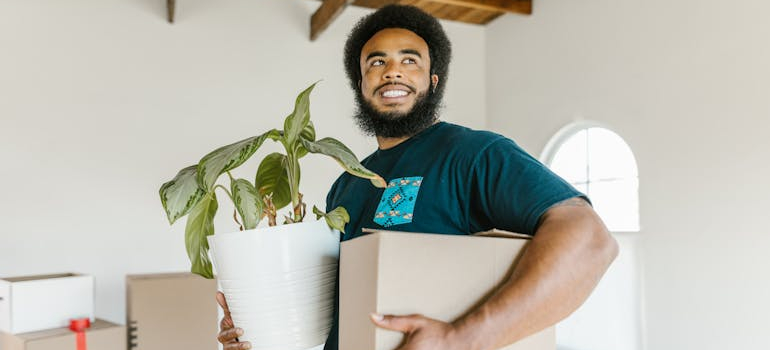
pixel 404 17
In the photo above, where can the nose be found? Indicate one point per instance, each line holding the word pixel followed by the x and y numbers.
pixel 392 72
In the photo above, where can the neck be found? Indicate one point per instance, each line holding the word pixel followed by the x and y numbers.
pixel 390 142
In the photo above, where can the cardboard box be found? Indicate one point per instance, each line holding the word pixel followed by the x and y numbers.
pixel 33 303
pixel 171 311
pixel 439 276
pixel 102 335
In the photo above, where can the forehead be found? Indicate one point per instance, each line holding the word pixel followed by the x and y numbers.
pixel 394 40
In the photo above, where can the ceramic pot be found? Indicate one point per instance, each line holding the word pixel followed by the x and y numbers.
pixel 279 282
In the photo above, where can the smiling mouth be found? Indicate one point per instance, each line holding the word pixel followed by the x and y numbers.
pixel 394 90
pixel 394 93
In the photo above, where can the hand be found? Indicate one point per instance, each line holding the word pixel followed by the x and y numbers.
pixel 228 334
pixel 422 333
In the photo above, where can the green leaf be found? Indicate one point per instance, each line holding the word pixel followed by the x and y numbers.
pixel 229 157
pixel 345 157
pixel 248 202
pixel 180 194
pixel 272 178
pixel 200 224
pixel 336 218
pixel 307 134
pixel 296 122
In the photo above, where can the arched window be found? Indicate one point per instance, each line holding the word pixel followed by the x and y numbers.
pixel 600 164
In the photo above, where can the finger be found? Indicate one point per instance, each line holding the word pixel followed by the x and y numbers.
pixel 222 302
pixel 226 323
pixel 229 335
pixel 237 346
pixel 404 324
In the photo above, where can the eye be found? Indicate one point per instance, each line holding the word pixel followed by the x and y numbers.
pixel 409 61
pixel 377 63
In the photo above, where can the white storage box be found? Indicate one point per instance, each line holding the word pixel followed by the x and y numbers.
pixel 34 303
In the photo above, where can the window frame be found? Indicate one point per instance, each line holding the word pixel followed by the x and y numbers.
pixel 568 131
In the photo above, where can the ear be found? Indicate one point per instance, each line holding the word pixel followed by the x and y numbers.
pixel 359 85
pixel 434 81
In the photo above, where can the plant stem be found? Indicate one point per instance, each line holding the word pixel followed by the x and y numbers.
pixel 226 191
pixel 235 217
pixel 232 200
pixel 296 198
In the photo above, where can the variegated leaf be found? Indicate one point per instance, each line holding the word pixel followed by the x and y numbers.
pixel 272 178
pixel 307 134
pixel 345 157
pixel 229 157
pixel 248 202
pixel 180 194
pixel 336 218
pixel 296 122
pixel 200 224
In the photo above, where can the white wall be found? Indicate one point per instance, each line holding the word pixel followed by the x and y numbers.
pixel 686 83
pixel 103 101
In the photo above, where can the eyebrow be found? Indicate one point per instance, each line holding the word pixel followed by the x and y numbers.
pixel 375 54
pixel 403 52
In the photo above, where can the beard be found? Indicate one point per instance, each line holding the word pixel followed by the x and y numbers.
pixel 397 124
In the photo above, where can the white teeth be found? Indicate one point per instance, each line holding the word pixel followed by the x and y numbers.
pixel 394 93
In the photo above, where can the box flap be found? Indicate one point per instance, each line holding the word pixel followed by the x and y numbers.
pixel 502 234
pixel 491 233
pixel 38 277
pixel 159 276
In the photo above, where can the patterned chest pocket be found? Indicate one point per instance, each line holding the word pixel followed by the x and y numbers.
pixel 397 203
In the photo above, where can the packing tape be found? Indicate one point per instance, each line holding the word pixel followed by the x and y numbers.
pixel 79 326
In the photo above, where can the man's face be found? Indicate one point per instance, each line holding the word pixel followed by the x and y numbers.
pixel 395 71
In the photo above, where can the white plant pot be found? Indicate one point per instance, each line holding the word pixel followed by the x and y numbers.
pixel 279 282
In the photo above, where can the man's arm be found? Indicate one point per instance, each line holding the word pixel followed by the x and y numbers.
pixel 565 260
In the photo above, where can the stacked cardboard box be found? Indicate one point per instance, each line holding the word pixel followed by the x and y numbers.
pixel 439 276
pixel 102 335
pixel 35 313
pixel 171 311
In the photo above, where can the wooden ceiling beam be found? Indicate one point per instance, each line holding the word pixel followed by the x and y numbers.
pixel 325 15
pixel 511 6
pixel 170 7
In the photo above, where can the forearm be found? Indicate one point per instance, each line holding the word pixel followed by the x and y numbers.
pixel 562 264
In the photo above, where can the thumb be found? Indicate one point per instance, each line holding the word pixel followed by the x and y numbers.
pixel 404 324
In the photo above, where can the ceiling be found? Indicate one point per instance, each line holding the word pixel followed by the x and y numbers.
pixel 467 11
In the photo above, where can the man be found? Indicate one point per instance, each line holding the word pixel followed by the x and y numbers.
pixel 449 179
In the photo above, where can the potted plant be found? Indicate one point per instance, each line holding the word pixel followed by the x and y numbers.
pixel 279 280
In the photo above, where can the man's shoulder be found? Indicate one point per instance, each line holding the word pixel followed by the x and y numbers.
pixel 462 137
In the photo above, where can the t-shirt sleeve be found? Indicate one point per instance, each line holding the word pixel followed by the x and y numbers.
pixel 511 190
pixel 331 195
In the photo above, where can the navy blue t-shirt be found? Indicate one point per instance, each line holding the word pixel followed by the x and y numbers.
pixel 452 180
